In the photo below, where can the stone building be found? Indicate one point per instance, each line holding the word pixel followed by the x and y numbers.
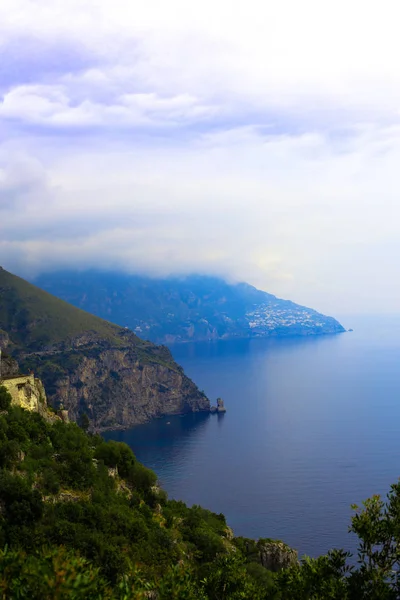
pixel 25 391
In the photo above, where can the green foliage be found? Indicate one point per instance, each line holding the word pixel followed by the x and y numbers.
pixel 82 518
pixel 5 398
pixel 179 584
pixel 38 319
pixel 227 579
pixel 64 487
pixel 323 578
pixel 49 574
pixel 116 455
pixel 84 422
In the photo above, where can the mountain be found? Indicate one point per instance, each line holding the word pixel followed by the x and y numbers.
pixel 89 365
pixel 184 309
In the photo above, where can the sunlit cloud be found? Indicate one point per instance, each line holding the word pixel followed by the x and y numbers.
pixel 258 141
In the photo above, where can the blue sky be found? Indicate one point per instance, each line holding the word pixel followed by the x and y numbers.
pixel 255 140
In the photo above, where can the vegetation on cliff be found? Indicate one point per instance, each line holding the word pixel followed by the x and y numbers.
pixel 89 365
pixel 81 518
pixel 34 319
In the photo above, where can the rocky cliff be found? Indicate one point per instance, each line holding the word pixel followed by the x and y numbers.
pixel 115 386
pixel 89 365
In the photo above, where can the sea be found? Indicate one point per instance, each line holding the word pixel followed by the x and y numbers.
pixel 312 426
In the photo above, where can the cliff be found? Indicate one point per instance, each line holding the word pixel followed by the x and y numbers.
pixel 115 386
pixel 89 365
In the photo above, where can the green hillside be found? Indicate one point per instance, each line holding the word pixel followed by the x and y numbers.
pixel 82 519
pixel 89 365
pixel 34 318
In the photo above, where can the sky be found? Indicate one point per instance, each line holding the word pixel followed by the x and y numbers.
pixel 257 140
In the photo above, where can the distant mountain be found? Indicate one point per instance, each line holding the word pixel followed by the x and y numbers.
pixel 184 309
pixel 90 365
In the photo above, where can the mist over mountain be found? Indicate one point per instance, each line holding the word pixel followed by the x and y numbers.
pixel 181 309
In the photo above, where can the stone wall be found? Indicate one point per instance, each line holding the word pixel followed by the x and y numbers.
pixel 26 391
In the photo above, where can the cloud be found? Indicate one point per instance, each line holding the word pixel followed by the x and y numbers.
pixel 259 141
pixel 50 106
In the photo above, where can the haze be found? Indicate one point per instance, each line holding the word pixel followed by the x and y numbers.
pixel 259 141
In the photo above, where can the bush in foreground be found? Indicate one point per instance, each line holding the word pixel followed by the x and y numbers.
pixel 81 518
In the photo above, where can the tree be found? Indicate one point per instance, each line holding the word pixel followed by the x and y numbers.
pixel 377 525
pixel 54 574
pixel 85 423
pixel 5 398
pixel 227 579
pixel 377 575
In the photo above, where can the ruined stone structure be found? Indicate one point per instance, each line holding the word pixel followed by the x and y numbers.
pixel 26 391
pixel 29 393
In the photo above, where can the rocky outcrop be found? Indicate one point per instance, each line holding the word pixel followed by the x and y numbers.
pixel 117 387
pixel 275 555
pixel 63 414
pixel 220 406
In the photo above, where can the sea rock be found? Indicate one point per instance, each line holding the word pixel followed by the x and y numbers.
pixel 213 410
pixel 220 406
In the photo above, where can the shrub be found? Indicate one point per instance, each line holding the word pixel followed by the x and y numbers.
pixel 5 398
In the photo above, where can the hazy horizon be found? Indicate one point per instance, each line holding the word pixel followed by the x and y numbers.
pixel 258 142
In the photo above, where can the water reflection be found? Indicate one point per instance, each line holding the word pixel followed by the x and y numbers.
pixel 229 348
pixel 312 426
pixel 163 441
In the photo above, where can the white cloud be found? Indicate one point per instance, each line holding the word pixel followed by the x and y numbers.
pixel 260 140
pixel 50 106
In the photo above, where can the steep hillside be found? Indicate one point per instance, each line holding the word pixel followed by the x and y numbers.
pixel 89 365
pixel 34 319
pixel 82 519
pixel 184 309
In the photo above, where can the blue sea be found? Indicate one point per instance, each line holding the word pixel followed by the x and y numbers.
pixel 312 426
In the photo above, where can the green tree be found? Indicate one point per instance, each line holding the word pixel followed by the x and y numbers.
pixel 5 398
pixel 53 574
pixel 377 525
pixel 84 422
pixel 227 579
pixel 323 578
